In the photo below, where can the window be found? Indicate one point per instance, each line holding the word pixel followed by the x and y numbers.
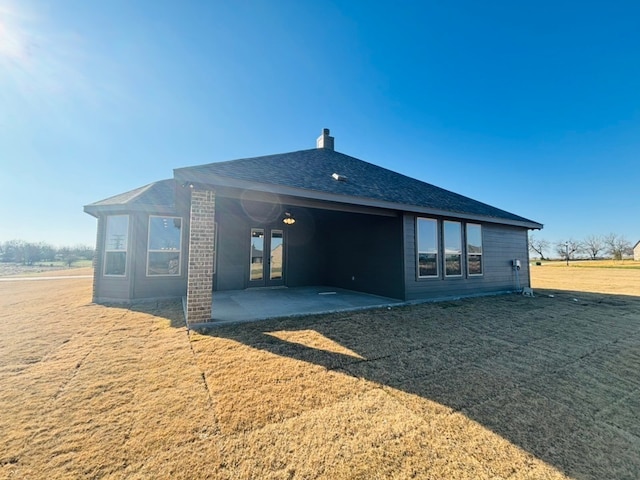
pixel 427 229
pixel 164 247
pixel 277 250
pixel 452 249
pixel 257 254
pixel 115 245
pixel 474 249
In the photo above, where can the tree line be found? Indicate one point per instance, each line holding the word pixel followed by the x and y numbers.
pixel 594 247
pixel 28 253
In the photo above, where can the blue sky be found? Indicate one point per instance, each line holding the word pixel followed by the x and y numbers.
pixel 531 107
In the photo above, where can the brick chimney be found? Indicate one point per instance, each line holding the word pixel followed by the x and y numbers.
pixel 325 140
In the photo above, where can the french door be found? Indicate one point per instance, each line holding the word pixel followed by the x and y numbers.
pixel 266 261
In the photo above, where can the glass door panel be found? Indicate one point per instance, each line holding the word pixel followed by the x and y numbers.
pixel 256 272
pixel 277 247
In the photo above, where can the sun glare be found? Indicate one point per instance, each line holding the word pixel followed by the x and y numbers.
pixel 14 43
pixel 40 62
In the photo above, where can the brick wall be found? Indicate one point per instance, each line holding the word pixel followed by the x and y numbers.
pixel 201 252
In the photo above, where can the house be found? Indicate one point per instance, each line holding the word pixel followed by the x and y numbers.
pixel 311 217
pixel 636 252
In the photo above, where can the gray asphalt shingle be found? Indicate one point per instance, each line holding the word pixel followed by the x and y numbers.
pixel 161 193
pixel 312 170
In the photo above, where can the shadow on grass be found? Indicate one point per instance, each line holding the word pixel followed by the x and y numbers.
pixel 170 310
pixel 557 375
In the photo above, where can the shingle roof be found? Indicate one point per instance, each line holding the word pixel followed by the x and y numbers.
pixel 312 170
pixel 156 194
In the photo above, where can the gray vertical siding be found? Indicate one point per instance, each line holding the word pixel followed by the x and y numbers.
pixel 368 253
pixel 156 286
pixel 306 250
pixel 136 284
pixel 340 249
pixel 234 243
pixel 364 253
pixel 98 258
pixel 232 255
pixel 501 244
pixel 112 288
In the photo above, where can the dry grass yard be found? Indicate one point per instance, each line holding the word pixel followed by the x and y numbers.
pixel 587 276
pixel 504 387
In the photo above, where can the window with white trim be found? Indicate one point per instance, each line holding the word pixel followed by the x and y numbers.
pixel 164 246
pixel 474 249
pixel 116 245
pixel 427 241
pixel 452 248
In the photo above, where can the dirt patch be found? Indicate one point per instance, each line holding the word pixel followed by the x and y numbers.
pixel 497 387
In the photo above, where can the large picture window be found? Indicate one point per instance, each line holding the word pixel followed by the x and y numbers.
pixel 164 248
pixel 452 249
pixel 427 240
pixel 474 249
pixel 116 244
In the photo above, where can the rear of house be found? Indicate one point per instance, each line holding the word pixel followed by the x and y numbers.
pixel 306 218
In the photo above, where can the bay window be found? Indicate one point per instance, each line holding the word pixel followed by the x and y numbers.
pixel 116 245
pixel 164 246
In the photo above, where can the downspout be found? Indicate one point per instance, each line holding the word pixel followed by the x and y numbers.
pixel 528 263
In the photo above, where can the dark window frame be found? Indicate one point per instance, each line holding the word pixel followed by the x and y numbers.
pixel 474 254
pixel 420 252
pixel 167 250
pixel 444 247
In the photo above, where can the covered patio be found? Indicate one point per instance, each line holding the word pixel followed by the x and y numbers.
pixel 236 306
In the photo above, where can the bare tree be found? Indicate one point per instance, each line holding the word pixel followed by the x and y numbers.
pixel 617 245
pixel 32 252
pixel 567 249
pixel 538 246
pixel 14 251
pixel 75 253
pixel 593 245
pixel 19 251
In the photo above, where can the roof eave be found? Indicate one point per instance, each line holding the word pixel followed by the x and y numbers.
pixel 91 210
pixel 188 175
pixel 98 210
pixel 529 224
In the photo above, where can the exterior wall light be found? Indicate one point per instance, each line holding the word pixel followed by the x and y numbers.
pixel 288 219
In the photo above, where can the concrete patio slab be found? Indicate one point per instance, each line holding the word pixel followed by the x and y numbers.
pixel 249 305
